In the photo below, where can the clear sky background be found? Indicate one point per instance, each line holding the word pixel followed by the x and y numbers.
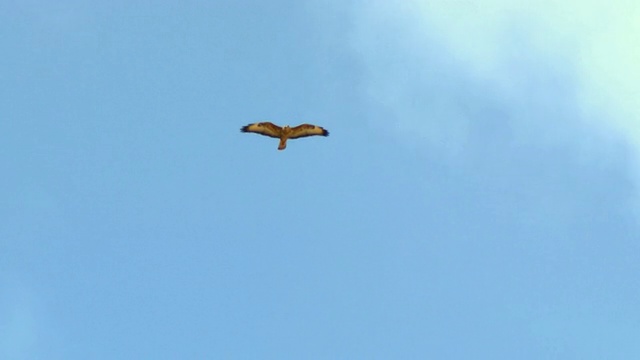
pixel 477 197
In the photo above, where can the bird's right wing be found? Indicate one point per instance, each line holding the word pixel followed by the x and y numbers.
pixel 307 130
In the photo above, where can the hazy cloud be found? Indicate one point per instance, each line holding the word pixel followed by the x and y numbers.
pixel 569 64
pixel 17 323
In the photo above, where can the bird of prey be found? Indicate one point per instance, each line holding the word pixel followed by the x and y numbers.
pixel 284 133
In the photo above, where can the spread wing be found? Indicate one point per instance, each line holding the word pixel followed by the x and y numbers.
pixel 307 130
pixel 263 128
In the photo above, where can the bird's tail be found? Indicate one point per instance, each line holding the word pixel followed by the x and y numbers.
pixel 283 144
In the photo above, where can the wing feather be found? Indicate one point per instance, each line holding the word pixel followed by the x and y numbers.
pixel 307 130
pixel 263 128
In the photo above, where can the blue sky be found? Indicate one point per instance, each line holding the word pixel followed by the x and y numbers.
pixel 477 197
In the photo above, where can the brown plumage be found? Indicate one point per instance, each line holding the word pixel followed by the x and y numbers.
pixel 284 133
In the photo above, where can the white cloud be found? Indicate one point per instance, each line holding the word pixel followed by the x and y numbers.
pixel 593 44
pixel 603 38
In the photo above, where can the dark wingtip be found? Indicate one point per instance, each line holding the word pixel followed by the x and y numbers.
pixel 325 132
pixel 244 128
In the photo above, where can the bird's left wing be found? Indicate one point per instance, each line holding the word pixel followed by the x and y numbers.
pixel 263 128
pixel 307 130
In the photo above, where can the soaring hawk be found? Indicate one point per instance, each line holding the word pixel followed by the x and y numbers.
pixel 284 133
